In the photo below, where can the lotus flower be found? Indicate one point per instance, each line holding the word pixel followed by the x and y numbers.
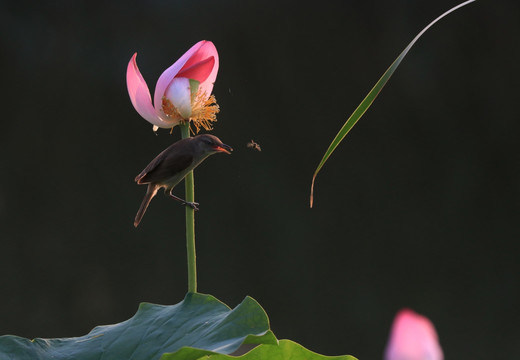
pixel 183 91
pixel 413 337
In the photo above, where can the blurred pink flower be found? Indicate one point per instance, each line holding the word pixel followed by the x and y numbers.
pixel 413 337
pixel 183 91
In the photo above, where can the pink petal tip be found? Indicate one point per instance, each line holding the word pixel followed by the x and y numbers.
pixel 413 337
pixel 140 95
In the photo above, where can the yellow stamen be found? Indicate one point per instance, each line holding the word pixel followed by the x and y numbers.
pixel 170 110
pixel 203 111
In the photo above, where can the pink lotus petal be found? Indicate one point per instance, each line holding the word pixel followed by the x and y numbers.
pixel 179 93
pixel 200 52
pixel 140 95
pixel 168 74
pixel 199 71
pixel 209 50
pixel 205 51
pixel 413 337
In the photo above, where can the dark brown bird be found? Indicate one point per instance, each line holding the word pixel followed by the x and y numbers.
pixel 173 164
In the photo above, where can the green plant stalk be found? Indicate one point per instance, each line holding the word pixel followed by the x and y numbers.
pixel 190 221
pixel 371 96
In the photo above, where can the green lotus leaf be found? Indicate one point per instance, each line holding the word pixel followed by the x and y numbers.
pixel 199 322
pixel 285 350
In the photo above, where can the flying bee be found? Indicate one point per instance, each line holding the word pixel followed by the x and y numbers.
pixel 254 146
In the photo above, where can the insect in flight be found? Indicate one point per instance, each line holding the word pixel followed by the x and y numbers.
pixel 253 145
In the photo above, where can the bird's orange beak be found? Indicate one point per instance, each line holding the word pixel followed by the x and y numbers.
pixel 224 148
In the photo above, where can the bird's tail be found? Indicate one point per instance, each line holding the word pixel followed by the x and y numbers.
pixel 150 193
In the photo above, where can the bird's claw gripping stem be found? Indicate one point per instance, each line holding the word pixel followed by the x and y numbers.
pixel 193 205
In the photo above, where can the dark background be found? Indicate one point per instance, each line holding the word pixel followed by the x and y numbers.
pixel 418 207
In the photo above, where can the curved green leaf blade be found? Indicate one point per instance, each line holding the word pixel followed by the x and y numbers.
pixel 199 321
pixel 286 349
pixel 369 99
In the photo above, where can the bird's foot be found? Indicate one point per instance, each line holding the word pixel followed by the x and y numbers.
pixel 193 205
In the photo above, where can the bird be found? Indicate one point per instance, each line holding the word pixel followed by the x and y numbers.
pixel 173 164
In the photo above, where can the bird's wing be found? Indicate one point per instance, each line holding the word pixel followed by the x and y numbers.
pixel 164 167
